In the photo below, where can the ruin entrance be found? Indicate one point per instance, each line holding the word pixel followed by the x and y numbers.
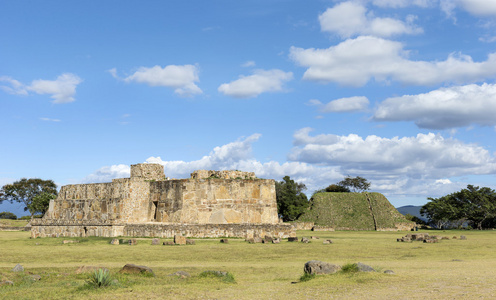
pixel 155 210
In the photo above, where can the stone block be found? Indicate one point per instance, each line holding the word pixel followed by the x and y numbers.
pixel 320 268
pixel 155 241
pixel 179 240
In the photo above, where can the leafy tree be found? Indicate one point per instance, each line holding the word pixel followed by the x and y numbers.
pixel 473 204
pixel 40 203
pixel 336 188
pixel 357 184
pixel 291 201
pixel 25 190
pixel 8 215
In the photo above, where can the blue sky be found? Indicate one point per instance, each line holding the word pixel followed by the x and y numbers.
pixel 400 92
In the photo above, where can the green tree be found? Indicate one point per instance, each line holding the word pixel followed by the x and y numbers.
pixel 40 203
pixel 26 190
pixel 356 184
pixel 473 204
pixel 336 188
pixel 291 201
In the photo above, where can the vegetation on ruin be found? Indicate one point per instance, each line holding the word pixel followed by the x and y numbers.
pixel 450 269
pixel 291 201
pixel 352 211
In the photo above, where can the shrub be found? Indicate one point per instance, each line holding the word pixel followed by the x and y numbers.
pixel 8 215
pixel 100 278
pixel 307 277
pixel 349 268
pixel 224 276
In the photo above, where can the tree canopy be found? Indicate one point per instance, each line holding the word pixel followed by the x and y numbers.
pixel 472 204
pixel 356 184
pixel 291 201
pixel 33 193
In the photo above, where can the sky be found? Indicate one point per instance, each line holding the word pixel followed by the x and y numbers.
pixel 400 92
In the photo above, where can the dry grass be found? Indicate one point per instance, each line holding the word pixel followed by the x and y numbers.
pixel 446 270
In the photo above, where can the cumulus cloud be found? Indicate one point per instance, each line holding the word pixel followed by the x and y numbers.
pixel 62 89
pixel 261 81
pixel 349 104
pixel 443 108
pixel 107 173
pixel 356 61
pixel 481 8
pixel 349 19
pixel 422 156
pixel 404 3
pixel 181 78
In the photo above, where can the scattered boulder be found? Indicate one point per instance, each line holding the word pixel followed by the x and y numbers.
pixel 114 242
pixel 305 240
pixel 168 243
pixel 318 267
pixel 224 241
pixel 327 242
pixel 135 269
pixel 258 239
pixel 389 272
pixel 180 274
pixel 155 242
pixel 18 268
pixel 430 241
pixel 445 238
pixel 292 239
pixel 462 237
pixel 70 241
pixel 364 268
pixel 6 282
pixel 315 237
pixel 455 237
pixel 133 242
pixel 268 239
pixel 190 242
pixel 88 269
pixel 35 277
pixel 276 241
pixel 179 240
pixel 250 241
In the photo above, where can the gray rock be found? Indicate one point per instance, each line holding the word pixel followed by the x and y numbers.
pixel 250 240
pixel 315 237
pixel 276 241
pixel 319 267
pixel 305 240
pixel 181 274
pixel 292 239
pixel 190 242
pixel 18 268
pixel 155 241
pixel 114 242
pixel 135 269
pixel 6 282
pixel 364 268
pixel 327 242
pixel 35 277
pixel 257 239
pixel 389 272
pixel 268 239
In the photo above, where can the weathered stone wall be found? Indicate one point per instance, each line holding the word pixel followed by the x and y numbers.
pixel 228 174
pixel 165 230
pixel 148 171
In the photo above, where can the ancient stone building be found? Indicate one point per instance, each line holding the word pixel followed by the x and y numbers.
pixel 209 204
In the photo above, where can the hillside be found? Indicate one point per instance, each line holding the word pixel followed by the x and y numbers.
pixel 412 210
pixel 353 211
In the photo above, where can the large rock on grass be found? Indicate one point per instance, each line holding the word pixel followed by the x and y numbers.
pixel 179 240
pixel 364 268
pixel 318 267
pixel 135 269
pixel 18 268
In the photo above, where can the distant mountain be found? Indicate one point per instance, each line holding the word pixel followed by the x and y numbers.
pixel 411 209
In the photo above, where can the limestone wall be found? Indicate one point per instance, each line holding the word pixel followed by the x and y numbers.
pixel 228 174
pixel 148 172
pixel 214 201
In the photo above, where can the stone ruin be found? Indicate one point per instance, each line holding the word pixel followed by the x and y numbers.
pixel 209 204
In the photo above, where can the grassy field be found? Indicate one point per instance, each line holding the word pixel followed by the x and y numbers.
pixel 450 269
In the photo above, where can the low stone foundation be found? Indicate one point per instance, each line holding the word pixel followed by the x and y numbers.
pixel 162 230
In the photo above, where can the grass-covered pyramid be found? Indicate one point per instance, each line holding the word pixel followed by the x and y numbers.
pixel 354 211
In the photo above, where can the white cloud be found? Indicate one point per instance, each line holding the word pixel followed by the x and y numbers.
pixel 50 120
pixel 481 8
pixel 356 61
pixel 422 156
pixel 350 104
pixel 249 63
pixel 260 82
pixel 181 78
pixel 107 173
pixel 443 108
pixel 404 3
pixel 443 181
pixel 62 89
pixel 349 19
